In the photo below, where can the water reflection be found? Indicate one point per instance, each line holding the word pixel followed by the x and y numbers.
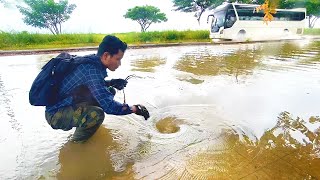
pixel 241 62
pixel 191 80
pixel 283 51
pixel 244 60
pixel 292 51
pixel 90 160
pixel 147 64
pixel 289 150
pixel 292 56
pixel 215 129
pixel 311 54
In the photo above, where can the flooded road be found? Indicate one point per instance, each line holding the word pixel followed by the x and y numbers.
pixel 247 111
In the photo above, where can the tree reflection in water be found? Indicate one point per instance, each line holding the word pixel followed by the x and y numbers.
pixel 242 62
pixel 288 150
pixel 245 60
pixel 147 64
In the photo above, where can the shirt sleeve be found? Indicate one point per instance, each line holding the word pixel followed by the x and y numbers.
pixel 96 84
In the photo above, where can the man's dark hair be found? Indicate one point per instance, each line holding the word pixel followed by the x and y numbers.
pixel 112 45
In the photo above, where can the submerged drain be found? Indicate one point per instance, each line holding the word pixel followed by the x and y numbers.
pixel 168 125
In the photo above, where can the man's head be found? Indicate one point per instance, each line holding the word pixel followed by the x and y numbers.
pixel 111 51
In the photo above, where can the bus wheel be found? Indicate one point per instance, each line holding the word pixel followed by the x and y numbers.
pixel 241 36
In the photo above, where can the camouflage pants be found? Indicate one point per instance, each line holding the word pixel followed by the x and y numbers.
pixel 85 117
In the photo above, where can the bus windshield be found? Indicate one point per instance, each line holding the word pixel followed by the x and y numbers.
pixel 218 21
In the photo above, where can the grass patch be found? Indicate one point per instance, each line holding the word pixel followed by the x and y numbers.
pixel 164 36
pixel 26 40
pixel 313 31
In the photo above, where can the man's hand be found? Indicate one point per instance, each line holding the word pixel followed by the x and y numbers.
pixel 112 90
pixel 118 83
pixel 142 111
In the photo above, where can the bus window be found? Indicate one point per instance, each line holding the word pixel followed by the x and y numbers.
pixel 218 21
pixel 289 16
pixel 230 18
pixel 214 27
pixel 248 13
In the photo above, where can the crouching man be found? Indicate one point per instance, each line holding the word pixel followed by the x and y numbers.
pixel 85 95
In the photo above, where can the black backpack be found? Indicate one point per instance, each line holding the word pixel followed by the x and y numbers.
pixel 45 87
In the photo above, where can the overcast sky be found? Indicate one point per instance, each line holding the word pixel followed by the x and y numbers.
pixel 101 16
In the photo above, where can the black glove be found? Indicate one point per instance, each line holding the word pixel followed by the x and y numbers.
pixel 118 83
pixel 142 111
pixel 112 90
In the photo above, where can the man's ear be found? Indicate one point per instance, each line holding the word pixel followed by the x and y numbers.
pixel 106 54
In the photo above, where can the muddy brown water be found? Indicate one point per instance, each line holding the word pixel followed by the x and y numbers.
pixel 247 111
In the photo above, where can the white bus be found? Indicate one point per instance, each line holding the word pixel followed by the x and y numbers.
pixel 241 22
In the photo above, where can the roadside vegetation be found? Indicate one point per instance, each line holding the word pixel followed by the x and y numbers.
pixel 312 31
pixel 25 40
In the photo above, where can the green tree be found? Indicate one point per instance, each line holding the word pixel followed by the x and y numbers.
pixel 312 6
pixel 46 13
pixel 145 16
pixel 5 3
pixel 197 6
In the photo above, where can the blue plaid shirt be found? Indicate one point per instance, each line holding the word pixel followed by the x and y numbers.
pixel 91 76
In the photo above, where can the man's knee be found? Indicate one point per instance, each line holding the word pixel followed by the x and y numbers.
pixel 93 119
pixel 62 119
pixel 95 116
pixel 97 113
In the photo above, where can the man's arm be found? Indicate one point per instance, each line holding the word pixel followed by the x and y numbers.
pixel 96 84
